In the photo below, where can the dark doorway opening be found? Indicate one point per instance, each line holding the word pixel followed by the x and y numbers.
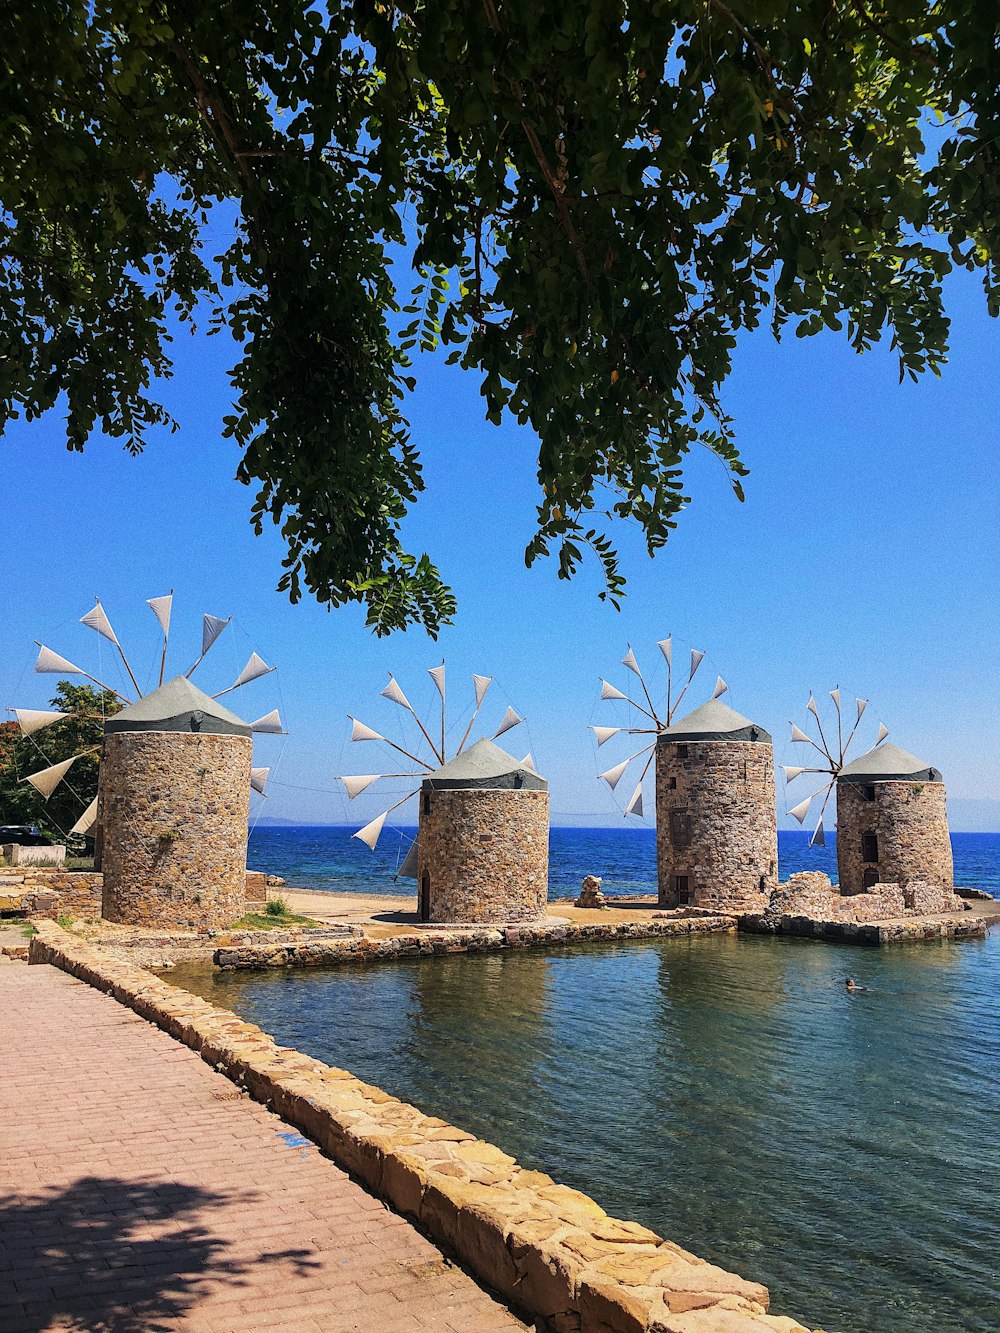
pixel 425 897
pixel 682 890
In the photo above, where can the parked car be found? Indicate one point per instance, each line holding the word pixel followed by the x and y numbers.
pixel 25 835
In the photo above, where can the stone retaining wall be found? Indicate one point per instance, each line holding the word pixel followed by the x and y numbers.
pixel 914 931
pixel 78 892
pixel 547 1249
pixel 281 953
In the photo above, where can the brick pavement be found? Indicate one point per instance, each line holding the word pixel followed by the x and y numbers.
pixel 139 1192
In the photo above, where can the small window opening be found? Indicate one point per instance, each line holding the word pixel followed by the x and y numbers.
pixel 682 752
pixel 869 847
pixel 425 803
pixel 680 828
pixel 868 792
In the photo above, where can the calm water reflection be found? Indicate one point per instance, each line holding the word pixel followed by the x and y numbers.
pixel 728 1092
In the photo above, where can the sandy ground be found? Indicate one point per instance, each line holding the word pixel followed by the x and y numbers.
pixel 383 915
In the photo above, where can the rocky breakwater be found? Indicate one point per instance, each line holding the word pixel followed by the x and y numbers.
pixel 547 1249
pixel 477 939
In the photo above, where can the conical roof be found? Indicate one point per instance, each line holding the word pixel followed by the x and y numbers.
pixel 178 706
pixel 714 721
pixel 485 765
pixel 888 763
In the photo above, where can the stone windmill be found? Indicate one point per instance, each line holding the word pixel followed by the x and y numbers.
pixel 481 853
pixel 892 820
pixel 716 822
pixel 170 816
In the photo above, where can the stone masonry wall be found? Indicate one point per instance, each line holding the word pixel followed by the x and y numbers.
pixel 174 808
pixel 910 821
pixel 486 854
pixel 74 893
pixel 716 823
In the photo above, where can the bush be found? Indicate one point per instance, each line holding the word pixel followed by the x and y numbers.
pixel 277 907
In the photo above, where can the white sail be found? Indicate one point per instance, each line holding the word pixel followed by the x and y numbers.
pixel 811 706
pixel 437 676
pixel 482 684
pixel 510 719
pixel 48 661
pixel 835 696
pixel 211 628
pixel 862 705
pixel 818 838
pixel 696 661
pixel 354 786
pixel 666 647
pixel 883 732
pixel 258 779
pixel 98 620
pixel 254 669
pixel 46 780
pixel 369 834
pixel 33 719
pixel 528 763
pixel 160 607
pixel 800 811
pixel 609 692
pixel 614 775
pixel 359 732
pixel 634 806
pixel 410 863
pixel 792 773
pixel 87 819
pixel 798 734
pixel 270 724
pixel 720 688
pixel 629 661
pixel 605 733
pixel 393 692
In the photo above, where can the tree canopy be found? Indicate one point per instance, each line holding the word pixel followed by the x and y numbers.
pixel 79 734
pixel 584 203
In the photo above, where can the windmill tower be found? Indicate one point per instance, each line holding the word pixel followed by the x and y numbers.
pixel 716 821
pixel 482 847
pixel 892 822
pixel 174 789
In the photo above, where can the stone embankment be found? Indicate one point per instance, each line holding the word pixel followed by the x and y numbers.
pixel 547 1249
pixel 286 952
pixel 914 931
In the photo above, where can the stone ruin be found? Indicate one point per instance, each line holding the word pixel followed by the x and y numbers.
pixel 590 893
pixel 810 893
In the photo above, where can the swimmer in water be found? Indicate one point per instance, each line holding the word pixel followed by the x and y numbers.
pixel 852 985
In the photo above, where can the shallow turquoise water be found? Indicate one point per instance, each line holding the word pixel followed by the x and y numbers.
pixel 844 1149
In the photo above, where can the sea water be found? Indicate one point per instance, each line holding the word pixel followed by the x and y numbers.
pixel 725 1090
pixel 328 857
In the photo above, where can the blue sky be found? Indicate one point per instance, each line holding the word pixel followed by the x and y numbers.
pixel 866 555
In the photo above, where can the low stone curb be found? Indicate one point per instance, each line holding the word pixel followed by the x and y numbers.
pixel 547 1249
pixel 872 933
pixel 481 939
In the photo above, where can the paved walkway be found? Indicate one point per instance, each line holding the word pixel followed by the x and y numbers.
pixel 139 1191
